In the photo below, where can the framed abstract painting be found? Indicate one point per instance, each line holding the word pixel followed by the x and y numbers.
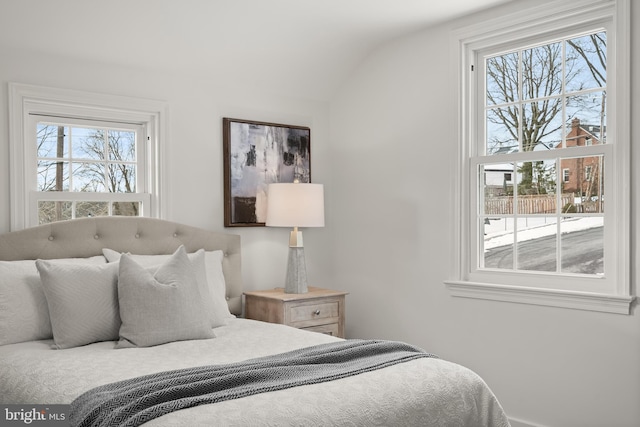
pixel 257 154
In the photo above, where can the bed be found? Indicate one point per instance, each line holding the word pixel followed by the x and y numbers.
pixel 59 340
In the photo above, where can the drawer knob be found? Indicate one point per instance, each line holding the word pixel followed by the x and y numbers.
pixel 317 312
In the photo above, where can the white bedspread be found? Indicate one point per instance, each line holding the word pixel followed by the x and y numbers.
pixel 424 392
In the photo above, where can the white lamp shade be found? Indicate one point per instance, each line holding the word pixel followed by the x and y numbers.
pixel 295 205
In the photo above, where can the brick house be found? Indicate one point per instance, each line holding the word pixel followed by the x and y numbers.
pixel 581 175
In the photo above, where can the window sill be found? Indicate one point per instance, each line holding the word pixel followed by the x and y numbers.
pixel 553 298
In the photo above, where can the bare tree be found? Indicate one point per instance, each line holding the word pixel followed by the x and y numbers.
pixel 594 53
pixel 524 97
pixel 114 172
pixel 103 161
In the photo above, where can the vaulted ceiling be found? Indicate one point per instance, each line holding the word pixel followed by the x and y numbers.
pixel 305 47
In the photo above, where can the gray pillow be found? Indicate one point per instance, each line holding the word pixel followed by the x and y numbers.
pixel 161 307
pixel 214 290
pixel 82 301
pixel 24 314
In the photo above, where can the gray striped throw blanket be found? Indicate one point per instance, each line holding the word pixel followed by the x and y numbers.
pixel 135 401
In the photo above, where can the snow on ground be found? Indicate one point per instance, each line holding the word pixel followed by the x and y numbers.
pixel 499 233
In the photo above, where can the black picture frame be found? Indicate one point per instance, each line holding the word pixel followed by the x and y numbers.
pixel 257 154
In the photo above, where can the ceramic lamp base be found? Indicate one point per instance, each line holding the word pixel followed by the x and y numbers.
pixel 296 281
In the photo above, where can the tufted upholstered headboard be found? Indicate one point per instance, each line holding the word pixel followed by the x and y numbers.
pixel 80 238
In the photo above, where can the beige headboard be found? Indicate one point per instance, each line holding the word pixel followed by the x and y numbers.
pixel 146 236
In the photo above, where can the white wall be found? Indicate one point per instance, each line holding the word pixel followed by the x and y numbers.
pixel 393 151
pixel 194 151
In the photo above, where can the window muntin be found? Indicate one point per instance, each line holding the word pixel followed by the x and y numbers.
pixel 532 91
pixel 534 100
pixel 87 168
pixel 72 158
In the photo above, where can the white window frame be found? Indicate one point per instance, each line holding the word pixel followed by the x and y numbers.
pixel 612 294
pixel 28 102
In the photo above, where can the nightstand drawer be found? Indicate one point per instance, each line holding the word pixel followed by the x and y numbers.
pixel 332 329
pixel 313 312
pixel 318 310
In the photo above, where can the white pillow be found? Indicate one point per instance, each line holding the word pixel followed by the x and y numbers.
pixel 161 307
pixel 24 314
pixel 82 300
pixel 215 278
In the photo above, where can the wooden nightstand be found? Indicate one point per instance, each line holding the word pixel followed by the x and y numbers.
pixel 319 310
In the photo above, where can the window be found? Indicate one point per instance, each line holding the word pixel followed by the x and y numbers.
pixel 545 103
pixel 535 102
pixel 80 155
pixel 88 157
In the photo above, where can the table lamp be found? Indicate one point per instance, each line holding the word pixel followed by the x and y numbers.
pixel 295 205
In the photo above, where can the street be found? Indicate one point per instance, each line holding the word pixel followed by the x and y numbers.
pixel 582 253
